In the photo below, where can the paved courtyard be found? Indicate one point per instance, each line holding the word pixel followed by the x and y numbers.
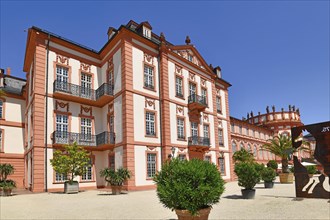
pixel 276 203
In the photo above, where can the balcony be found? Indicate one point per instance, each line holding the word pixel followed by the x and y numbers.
pixel 100 141
pixel 196 102
pixel 71 92
pixel 196 141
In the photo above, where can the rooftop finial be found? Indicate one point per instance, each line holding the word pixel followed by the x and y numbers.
pixel 162 37
pixel 267 109
pixel 187 40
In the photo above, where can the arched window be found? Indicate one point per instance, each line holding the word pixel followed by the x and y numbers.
pixel 255 151
pixel 241 146
pixel 261 154
pixel 249 148
pixel 234 147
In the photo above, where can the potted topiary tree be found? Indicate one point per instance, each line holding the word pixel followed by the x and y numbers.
pixel 248 176
pixel 115 178
pixel 311 170
pixel 6 185
pixel 71 162
pixel 272 164
pixel 268 175
pixel 189 187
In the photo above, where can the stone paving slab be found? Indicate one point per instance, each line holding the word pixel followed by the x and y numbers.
pixel 276 203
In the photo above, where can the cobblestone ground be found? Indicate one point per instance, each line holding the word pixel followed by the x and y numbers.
pixel 276 203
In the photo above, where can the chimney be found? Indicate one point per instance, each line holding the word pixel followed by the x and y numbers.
pixel 8 71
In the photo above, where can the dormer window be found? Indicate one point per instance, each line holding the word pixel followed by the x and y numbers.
pixel 146 32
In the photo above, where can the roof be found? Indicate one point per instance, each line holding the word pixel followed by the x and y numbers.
pixel 13 84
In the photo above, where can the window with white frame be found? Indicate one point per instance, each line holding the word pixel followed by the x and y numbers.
pixel 206 130
pixel 240 129
pixel 178 86
pixel 86 128
pixel 261 154
pixel 232 126
pixel 207 158
pixel 222 166
pixel 148 77
pixel 150 124
pixel 204 95
pixel 194 129
pixel 88 175
pixel 1 141
pixel 220 136
pixel 218 101
pixel 255 151
pixel 60 177
pixel 192 89
pixel 182 156
pixel 1 108
pixel 62 78
pixel 180 128
pixel 247 131
pixel 151 164
pixel 86 85
pixel 61 128
pixel 190 57
pixel 241 146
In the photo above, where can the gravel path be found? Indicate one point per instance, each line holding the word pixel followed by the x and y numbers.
pixel 276 203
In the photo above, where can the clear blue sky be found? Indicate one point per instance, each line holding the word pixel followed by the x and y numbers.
pixel 273 53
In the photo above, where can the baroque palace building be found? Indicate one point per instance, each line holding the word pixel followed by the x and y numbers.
pixel 135 103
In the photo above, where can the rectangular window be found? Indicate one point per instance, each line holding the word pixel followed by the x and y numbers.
pixel 204 95
pixel 206 130
pixel 220 136
pixel 190 57
pixel 207 158
pixel 61 127
pixel 192 89
pixel 240 129
pixel 62 78
pixel 89 174
pixel 218 104
pixel 151 165
pixel 178 87
pixel 60 177
pixel 180 128
pixel 150 124
pixel 86 129
pixel 232 127
pixel 1 150
pixel 112 162
pixel 222 166
pixel 182 156
pixel 86 85
pixel 247 131
pixel 1 108
pixel 148 77
pixel 194 129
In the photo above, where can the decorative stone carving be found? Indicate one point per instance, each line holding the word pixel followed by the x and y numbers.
pixel 203 82
pixel 61 106
pixel 110 63
pixel 192 76
pixel 86 110
pixel 85 67
pixel 179 110
pixel 150 103
pixel 178 70
pixel 148 58
pixel 62 59
pixel 110 108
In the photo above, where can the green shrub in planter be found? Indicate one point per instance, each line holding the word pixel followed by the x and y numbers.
pixel 268 174
pixel 115 177
pixel 272 164
pixel 243 156
pixel 248 174
pixel 189 185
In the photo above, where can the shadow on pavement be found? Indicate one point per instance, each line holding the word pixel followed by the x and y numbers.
pixel 232 197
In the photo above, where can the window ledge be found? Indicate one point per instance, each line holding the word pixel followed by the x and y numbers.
pixel 150 89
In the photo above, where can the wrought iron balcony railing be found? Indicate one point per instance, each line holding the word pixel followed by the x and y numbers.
pixel 62 137
pixel 83 92
pixel 199 141
pixel 105 138
pixel 198 99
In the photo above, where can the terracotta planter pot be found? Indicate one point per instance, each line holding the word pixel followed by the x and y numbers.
pixel 269 184
pixel 203 214
pixel 248 193
pixel 286 177
pixel 5 192
pixel 116 190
